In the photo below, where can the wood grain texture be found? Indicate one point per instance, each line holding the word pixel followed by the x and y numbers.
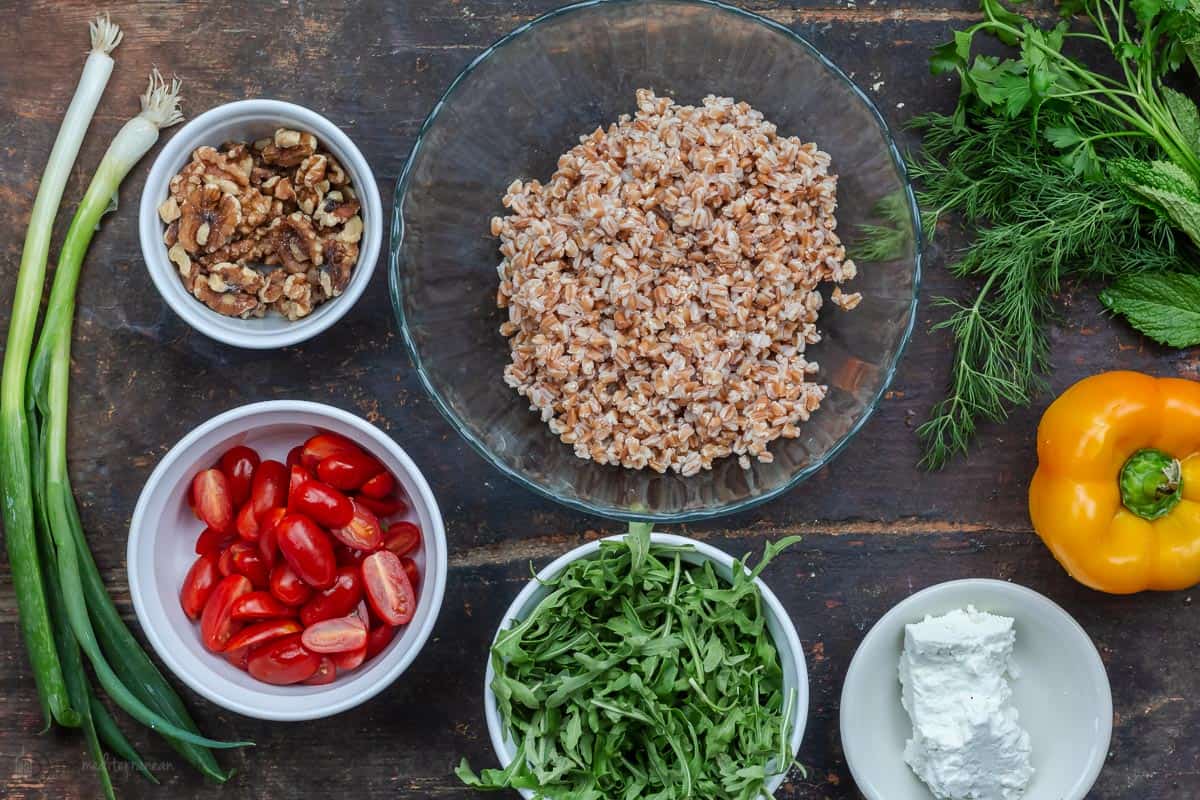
pixel 875 528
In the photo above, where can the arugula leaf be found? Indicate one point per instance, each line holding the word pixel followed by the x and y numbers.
pixel 1165 307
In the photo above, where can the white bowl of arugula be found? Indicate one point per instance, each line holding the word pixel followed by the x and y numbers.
pixel 642 663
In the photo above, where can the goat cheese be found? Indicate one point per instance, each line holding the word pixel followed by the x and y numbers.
pixel 966 742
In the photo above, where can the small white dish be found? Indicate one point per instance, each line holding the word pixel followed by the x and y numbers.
pixel 248 120
pixel 787 642
pixel 162 538
pixel 1062 693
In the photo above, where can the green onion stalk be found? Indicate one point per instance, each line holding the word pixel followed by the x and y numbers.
pixel 16 470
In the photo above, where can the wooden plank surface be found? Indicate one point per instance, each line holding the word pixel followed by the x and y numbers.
pixel 876 529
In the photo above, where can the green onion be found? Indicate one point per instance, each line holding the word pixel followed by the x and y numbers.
pixel 49 381
pixel 16 477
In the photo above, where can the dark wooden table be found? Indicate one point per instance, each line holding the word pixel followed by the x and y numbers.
pixel 876 529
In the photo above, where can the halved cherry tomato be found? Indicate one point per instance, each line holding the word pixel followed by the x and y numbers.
pixel 308 549
pixel 261 632
pixel 326 505
pixel 363 532
pixel 201 579
pixel 296 476
pixel 216 623
pixel 260 605
pixel 351 659
pixel 326 673
pixel 248 561
pixel 287 586
pixel 387 507
pixel 378 638
pixel 410 569
pixel 213 503
pixel 348 470
pixel 212 541
pixel 247 523
pixel 323 445
pixel 238 464
pixel 269 487
pixel 380 486
pixel 225 562
pixel 389 591
pixel 336 601
pixel 337 635
pixel 294 456
pixel 402 537
pixel 283 661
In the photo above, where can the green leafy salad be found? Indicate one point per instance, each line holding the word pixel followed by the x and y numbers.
pixel 643 675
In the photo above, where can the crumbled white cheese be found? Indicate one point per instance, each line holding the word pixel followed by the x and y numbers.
pixel 966 742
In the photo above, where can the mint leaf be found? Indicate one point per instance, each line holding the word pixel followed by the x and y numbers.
pixel 1186 115
pixel 1165 307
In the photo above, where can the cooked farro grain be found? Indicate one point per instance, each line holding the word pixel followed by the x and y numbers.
pixel 662 286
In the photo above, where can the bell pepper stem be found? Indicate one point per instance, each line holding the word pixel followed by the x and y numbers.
pixel 1151 483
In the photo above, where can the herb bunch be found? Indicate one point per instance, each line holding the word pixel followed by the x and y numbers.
pixel 1066 172
pixel 642 675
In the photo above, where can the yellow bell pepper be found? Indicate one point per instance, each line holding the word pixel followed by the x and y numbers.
pixel 1116 495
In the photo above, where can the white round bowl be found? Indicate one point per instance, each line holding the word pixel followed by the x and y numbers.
pixel 787 642
pixel 1061 693
pixel 248 120
pixel 162 538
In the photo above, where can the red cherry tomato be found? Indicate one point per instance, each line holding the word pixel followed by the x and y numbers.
pixel 247 523
pixel 261 632
pixel 269 488
pixel 402 538
pixel 308 549
pixel 348 556
pixel 327 506
pixel 294 456
pixel 326 673
pixel 323 445
pixel 238 464
pixel 348 470
pixel 380 486
pixel 216 623
pixel 378 638
pixel 212 541
pixel 283 661
pixel 287 586
pixel 225 562
pixel 337 635
pixel 410 569
pixel 260 605
pixel 213 504
pixel 237 657
pixel 351 659
pixel 296 476
pixel 248 561
pixel 201 579
pixel 389 591
pixel 336 601
pixel 387 507
pixel 363 532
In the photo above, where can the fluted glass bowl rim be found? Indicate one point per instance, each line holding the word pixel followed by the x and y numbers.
pixel 610 512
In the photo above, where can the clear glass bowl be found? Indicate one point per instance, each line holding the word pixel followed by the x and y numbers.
pixel 525 101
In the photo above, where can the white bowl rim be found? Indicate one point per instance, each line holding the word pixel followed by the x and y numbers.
pixel 168 656
pixel 496 730
pixel 230 330
pixel 1094 665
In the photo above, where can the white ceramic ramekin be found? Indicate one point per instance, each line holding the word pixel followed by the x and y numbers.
pixel 248 120
pixel 787 642
pixel 1061 694
pixel 162 538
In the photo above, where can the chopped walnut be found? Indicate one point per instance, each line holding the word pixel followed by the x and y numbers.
pixel 267 225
